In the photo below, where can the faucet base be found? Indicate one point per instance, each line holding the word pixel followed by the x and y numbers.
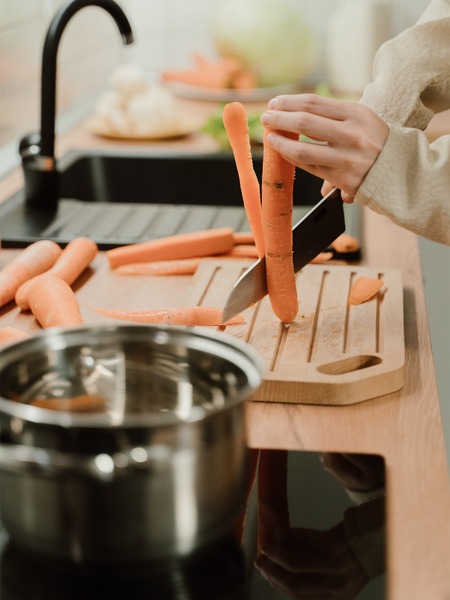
pixel 41 188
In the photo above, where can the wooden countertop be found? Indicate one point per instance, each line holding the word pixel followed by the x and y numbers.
pixel 404 427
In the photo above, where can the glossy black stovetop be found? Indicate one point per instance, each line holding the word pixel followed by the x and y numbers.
pixel 310 560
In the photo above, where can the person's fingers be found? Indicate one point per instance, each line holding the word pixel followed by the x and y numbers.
pixel 326 188
pixel 317 105
pixel 304 153
pixel 313 126
pixel 347 198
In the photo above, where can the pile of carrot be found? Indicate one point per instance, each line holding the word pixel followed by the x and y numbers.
pixel 39 280
pixel 225 73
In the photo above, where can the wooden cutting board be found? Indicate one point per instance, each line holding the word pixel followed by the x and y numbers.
pixel 333 353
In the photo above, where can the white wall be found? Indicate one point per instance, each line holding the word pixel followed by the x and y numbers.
pixel 167 32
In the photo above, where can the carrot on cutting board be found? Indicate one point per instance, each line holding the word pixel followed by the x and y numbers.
pixel 242 251
pixel 185 266
pixel 77 255
pixel 185 245
pixel 53 303
pixel 345 243
pixel 273 509
pixel 277 188
pixel 32 261
pixel 243 237
pixel 236 125
pixel 321 258
pixel 11 335
pixel 189 315
pixel 364 289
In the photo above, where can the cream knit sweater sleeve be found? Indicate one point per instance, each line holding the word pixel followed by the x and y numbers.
pixel 410 181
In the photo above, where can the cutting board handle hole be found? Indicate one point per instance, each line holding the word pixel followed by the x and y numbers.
pixel 349 365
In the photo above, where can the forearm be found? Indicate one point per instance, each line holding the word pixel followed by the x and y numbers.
pixel 410 183
pixel 412 71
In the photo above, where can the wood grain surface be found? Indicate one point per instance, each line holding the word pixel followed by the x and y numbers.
pixel 333 353
pixel 404 427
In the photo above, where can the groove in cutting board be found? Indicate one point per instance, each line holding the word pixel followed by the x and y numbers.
pixel 333 353
pixel 347 312
pixel 316 318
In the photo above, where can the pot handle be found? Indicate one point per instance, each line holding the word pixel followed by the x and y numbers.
pixel 15 458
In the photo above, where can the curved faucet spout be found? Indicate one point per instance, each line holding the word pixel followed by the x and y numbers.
pixel 41 176
pixel 48 90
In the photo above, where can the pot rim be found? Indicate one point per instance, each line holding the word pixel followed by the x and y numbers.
pixel 222 344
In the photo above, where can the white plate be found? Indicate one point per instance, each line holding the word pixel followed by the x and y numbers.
pixel 97 126
pixel 184 90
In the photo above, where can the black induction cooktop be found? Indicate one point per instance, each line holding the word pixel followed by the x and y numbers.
pixel 335 542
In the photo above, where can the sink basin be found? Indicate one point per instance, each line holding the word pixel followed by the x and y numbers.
pixel 123 198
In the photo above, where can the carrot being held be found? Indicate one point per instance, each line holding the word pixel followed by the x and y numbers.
pixel 277 202
pixel 236 125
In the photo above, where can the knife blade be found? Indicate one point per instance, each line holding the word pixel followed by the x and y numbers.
pixel 310 236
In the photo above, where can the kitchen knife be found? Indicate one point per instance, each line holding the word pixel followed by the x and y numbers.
pixel 310 236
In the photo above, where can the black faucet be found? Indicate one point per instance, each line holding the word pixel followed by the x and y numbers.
pixel 38 151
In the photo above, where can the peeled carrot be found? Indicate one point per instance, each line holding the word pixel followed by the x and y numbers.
pixel 53 303
pixel 273 509
pixel 189 315
pixel 236 125
pixel 243 251
pixel 364 289
pixel 345 243
pixel 78 403
pixel 277 188
pixel 11 334
pixel 185 245
pixel 243 237
pixel 185 266
pixel 34 260
pixel 253 465
pixel 321 258
pixel 77 255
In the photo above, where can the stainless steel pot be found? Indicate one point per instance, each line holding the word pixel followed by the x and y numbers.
pixel 159 470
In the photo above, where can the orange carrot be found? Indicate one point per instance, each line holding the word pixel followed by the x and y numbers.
pixel 253 464
pixel 35 259
pixel 185 266
pixel 277 187
pixel 236 125
pixel 78 403
pixel 53 303
pixel 11 335
pixel 243 237
pixel 321 258
pixel 243 251
pixel 189 315
pixel 207 74
pixel 364 289
pixel 345 243
pixel 244 80
pixel 77 255
pixel 185 245
pixel 273 510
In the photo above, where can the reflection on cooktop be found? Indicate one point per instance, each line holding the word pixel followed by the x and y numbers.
pixel 314 529
pixel 321 530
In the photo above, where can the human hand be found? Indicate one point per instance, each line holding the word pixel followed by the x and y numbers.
pixel 357 472
pixel 305 563
pixel 355 136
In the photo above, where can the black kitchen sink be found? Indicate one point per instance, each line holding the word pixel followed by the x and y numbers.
pixel 117 199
